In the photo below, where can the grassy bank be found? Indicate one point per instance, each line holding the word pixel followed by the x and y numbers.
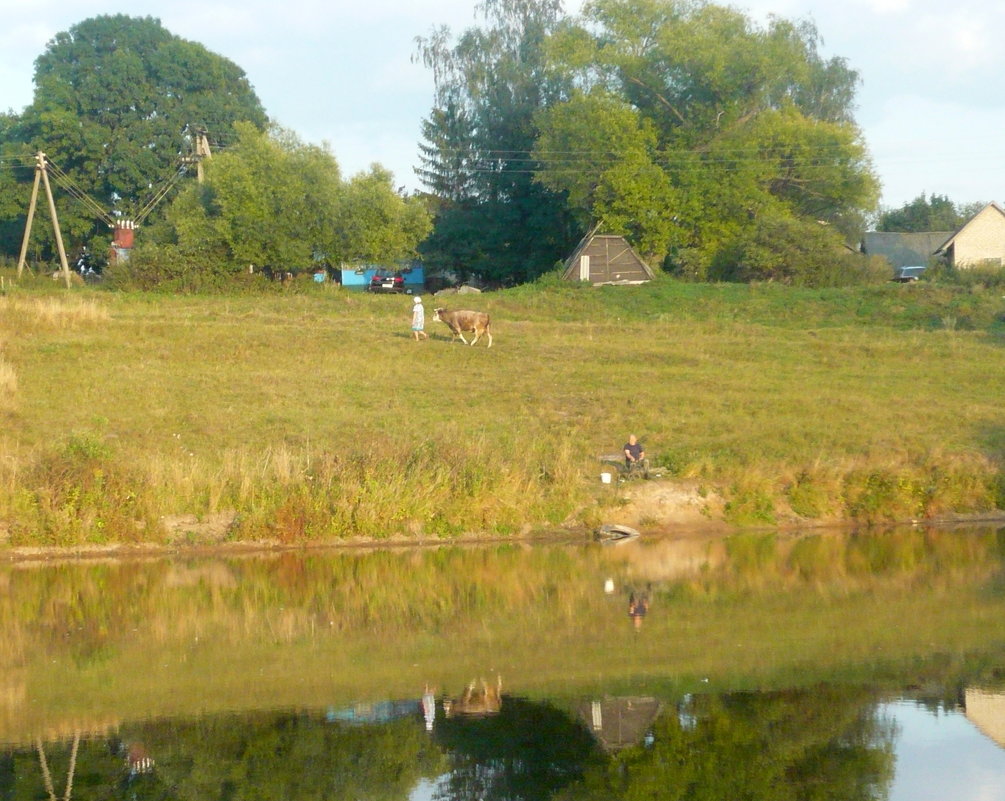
pixel 311 415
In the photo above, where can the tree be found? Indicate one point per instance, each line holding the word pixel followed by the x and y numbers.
pixel 824 744
pixel 694 123
pixel 114 96
pixel 935 213
pixel 375 223
pixel 492 219
pixel 271 200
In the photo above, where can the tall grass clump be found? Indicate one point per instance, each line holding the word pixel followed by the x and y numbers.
pixel 80 493
pixel 52 311
pixel 392 489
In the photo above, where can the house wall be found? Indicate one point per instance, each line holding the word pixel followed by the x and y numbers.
pixel 982 240
pixel 361 276
pixel 986 710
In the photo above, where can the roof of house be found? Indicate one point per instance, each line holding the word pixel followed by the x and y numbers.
pixel 952 237
pixel 901 249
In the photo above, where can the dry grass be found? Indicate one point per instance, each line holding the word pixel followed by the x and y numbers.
pixel 8 386
pixel 52 311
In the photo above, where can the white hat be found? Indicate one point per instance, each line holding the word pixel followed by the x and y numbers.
pixel 416 299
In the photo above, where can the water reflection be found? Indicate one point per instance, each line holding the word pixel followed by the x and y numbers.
pixel 819 742
pixel 766 669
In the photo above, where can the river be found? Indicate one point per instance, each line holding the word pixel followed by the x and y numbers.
pixel 758 666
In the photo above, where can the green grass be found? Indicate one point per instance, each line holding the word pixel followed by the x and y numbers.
pixel 314 416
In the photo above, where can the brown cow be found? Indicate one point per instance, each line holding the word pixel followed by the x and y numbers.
pixel 460 321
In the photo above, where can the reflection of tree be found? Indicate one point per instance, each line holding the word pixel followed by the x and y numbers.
pixel 820 744
pixel 528 752
pixel 264 757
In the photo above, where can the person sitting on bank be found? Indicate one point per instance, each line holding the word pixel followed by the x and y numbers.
pixel 635 456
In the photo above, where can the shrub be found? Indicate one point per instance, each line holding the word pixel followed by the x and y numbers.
pixel 792 251
pixel 169 268
pixel 79 494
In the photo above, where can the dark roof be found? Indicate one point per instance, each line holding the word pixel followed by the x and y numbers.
pixel 904 250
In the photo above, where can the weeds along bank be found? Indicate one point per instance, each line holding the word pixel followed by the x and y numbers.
pixel 311 415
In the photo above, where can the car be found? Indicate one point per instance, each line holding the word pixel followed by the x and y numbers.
pixel 906 275
pixel 386 281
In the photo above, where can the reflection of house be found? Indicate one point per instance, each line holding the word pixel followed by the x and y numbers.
pixel 620 722
pixel 903 250
pixel 603 259
pixel 986 710
pixel 980 242
pixel 377 712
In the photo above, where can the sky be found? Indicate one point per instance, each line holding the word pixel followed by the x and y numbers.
pixel 931 104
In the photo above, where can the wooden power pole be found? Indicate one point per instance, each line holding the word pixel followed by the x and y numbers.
pixel 41 173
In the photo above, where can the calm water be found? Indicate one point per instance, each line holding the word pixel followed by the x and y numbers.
pixel 758 667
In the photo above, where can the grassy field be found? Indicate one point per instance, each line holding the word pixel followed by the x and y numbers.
pixel 311 415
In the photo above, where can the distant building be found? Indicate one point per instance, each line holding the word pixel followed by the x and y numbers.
pixel 904 250
pixel 606 259
pixel 358 276
pixel 980 242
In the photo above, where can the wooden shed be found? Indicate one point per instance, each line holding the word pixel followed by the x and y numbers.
pixel 606 259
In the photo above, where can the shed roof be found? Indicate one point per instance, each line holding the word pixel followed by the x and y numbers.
pixel 612 260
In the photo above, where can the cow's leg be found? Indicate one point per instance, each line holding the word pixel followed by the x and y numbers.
pixel 489 335
pixel 461 335
pixel 477 335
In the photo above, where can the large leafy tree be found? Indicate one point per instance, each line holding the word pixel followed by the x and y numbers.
pixel 692 123
pixel 114 99
pixel 493 219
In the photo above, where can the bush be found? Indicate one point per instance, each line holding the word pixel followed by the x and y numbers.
pixel 79 494
pixel 978 278
pixel 167 267
pixel 797 252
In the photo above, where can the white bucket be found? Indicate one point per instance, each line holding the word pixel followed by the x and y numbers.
pixel 605 478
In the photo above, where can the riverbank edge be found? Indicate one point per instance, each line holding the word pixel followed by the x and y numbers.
pixel 694 516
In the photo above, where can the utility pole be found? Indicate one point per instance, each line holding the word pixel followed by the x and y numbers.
pixel 31 216
pixel 41 172
pixel 200 151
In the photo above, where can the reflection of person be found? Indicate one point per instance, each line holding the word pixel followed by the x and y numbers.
pixel 429 708
pixel 638 605
pixel 418 319
pixel 635 456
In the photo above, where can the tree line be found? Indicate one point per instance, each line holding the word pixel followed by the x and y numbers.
pixel 723 149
